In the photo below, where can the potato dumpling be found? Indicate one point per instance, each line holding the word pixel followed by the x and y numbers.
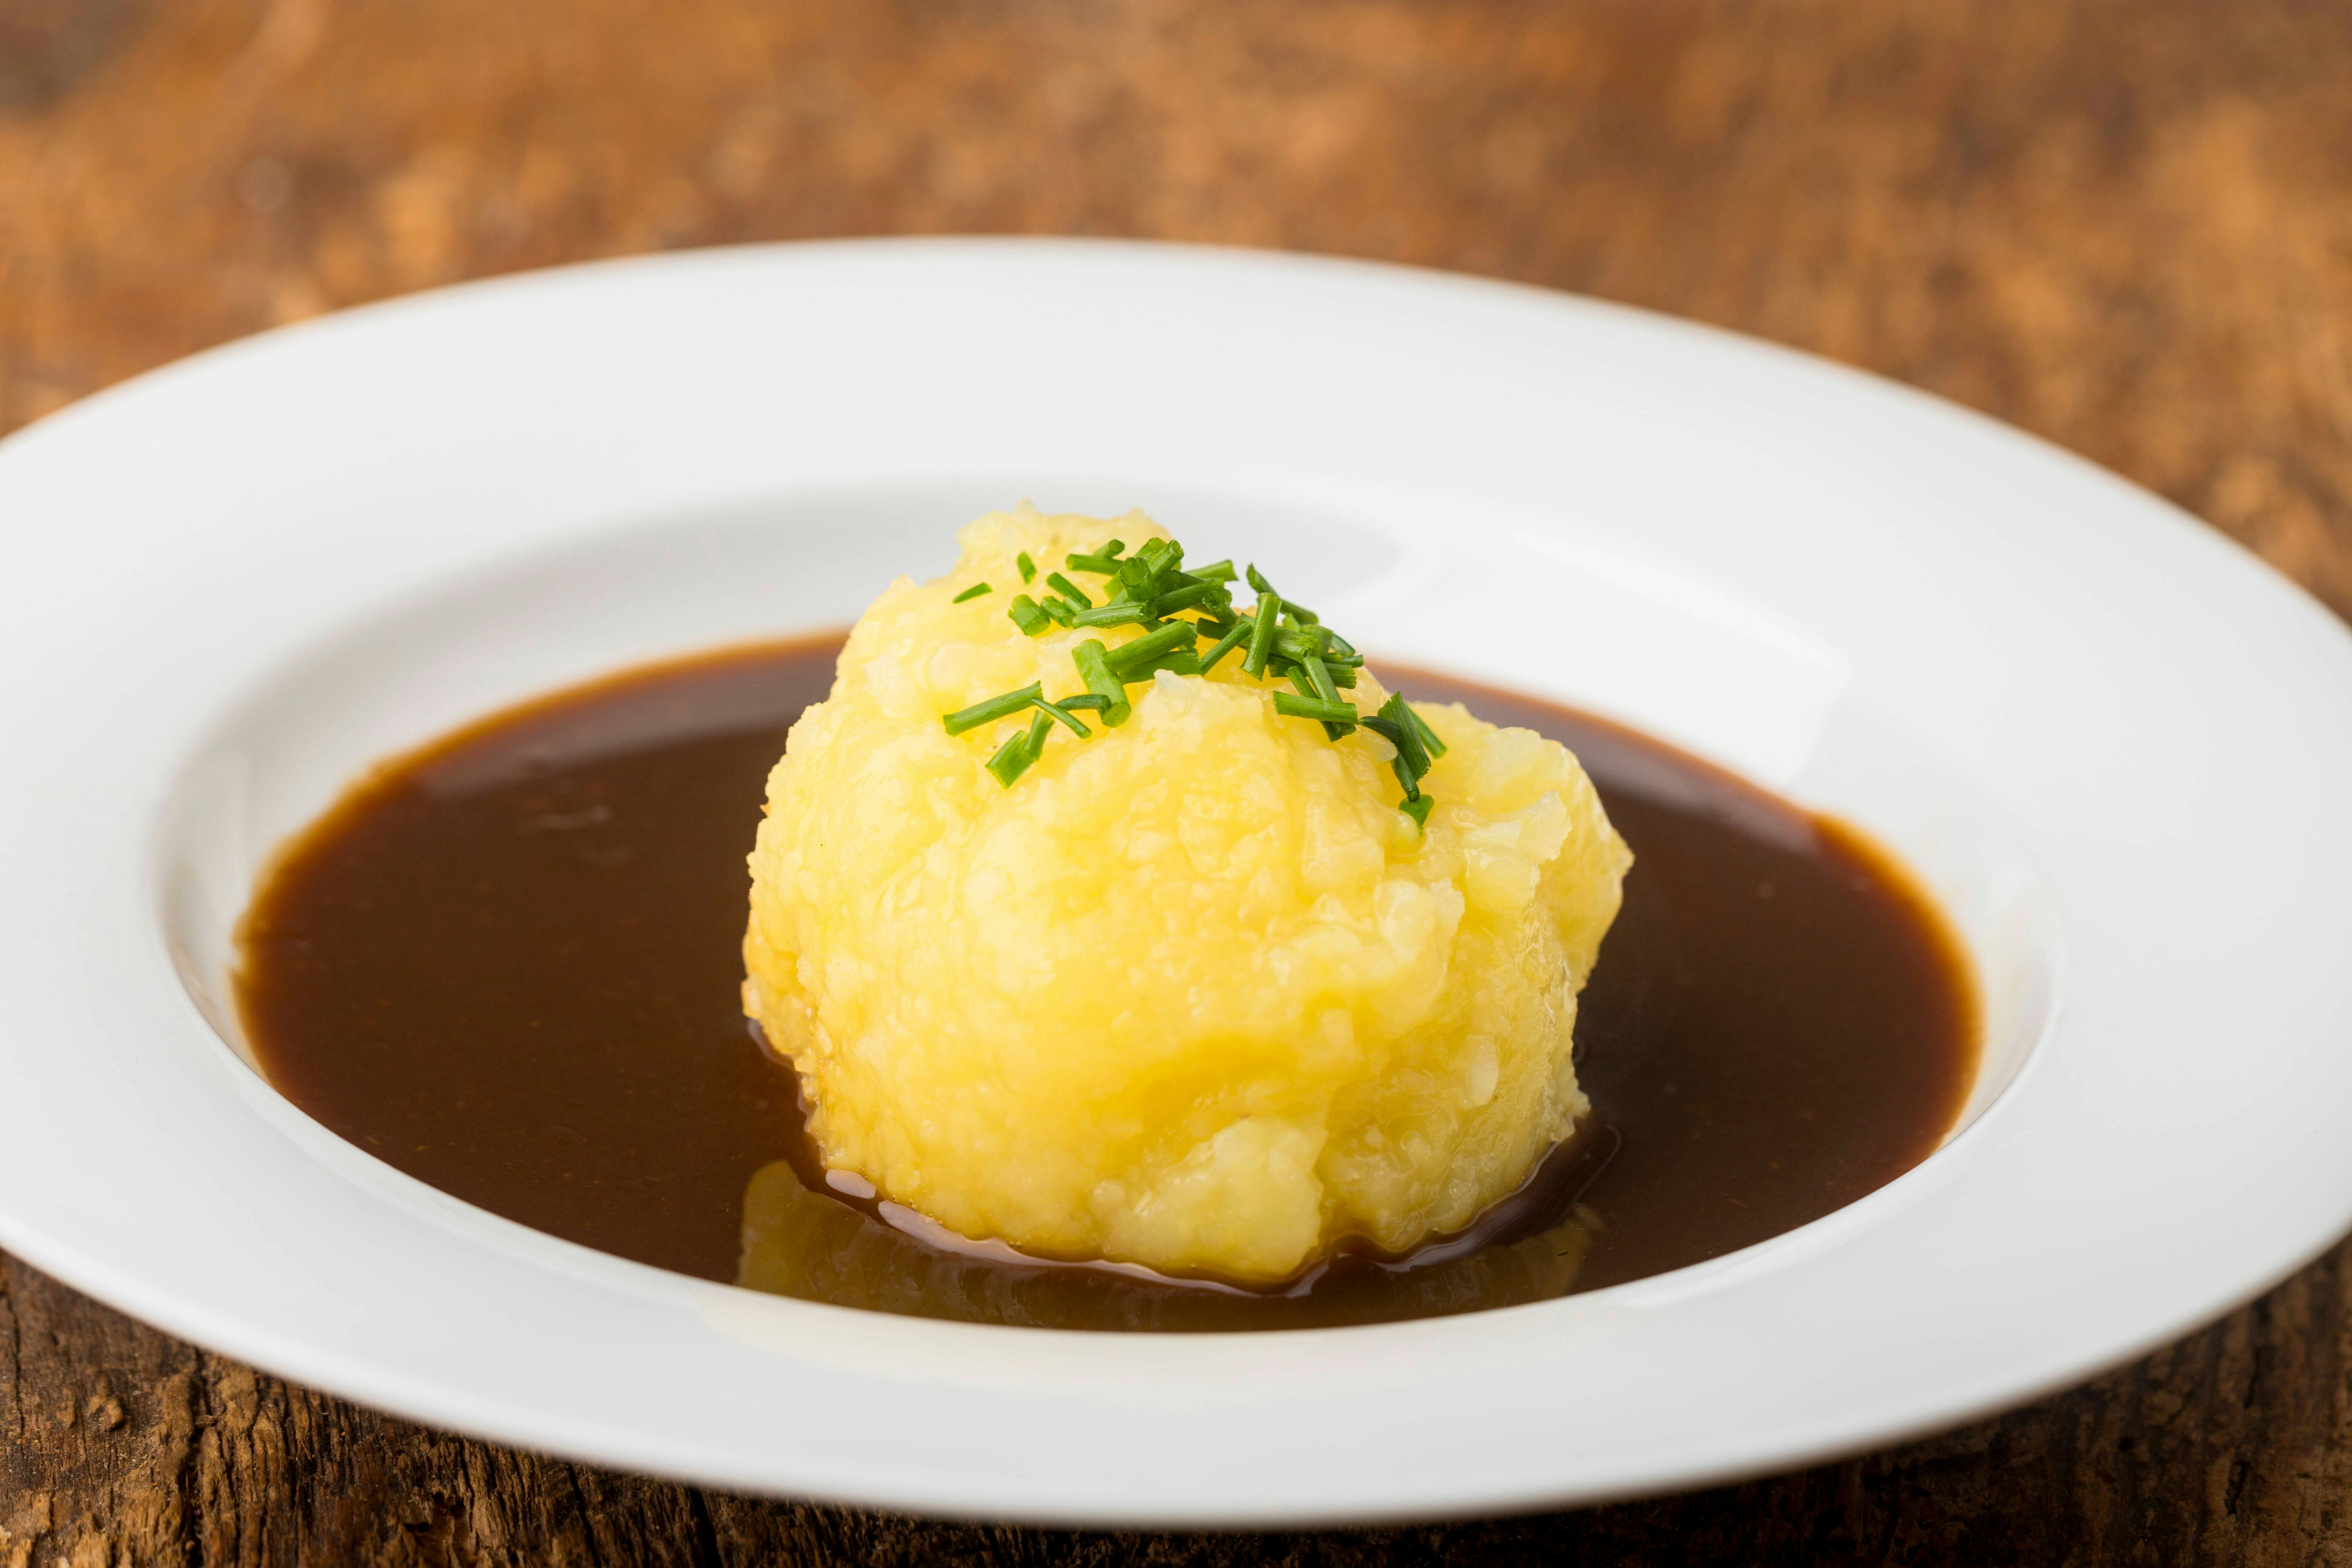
pixel 1192 992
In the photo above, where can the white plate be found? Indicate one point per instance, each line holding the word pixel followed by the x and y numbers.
pixel 2118 747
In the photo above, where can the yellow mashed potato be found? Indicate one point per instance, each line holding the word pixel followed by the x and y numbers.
pixel 1193 993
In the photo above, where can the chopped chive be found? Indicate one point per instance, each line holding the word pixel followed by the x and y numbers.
pixel 1429 740
pixel 1261 647
pixel 1094 668
pixel 1397 724
pixel 995 708
pixel 1418 809
pixel 1294 707
pixel 1011 761
pixel 1128 613
pixel 1402 763
pixel 1152 645
pixel 1182 661
pixel 1236 634
pixel 1280 640
pixel 1028 614
pixel 1181 599
pixel 1018 753
pixel 1135 575
pixel 1058 711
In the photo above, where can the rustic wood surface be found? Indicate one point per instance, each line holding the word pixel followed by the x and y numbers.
pixel 2125 226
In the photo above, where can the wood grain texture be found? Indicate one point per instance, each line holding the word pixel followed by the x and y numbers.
pixel 2125 226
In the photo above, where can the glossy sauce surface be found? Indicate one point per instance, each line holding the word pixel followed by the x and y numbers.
pixel 508 965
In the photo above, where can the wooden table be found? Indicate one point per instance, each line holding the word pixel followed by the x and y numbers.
pixel 2125 226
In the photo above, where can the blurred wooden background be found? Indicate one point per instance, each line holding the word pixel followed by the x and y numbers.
pixel 2125 226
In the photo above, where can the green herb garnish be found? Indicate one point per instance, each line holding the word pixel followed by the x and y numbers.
pixel 1295 707
pixel 1060 710
pixel 995 708
pixel 1029 616
pixel 1279 639
pixel 1152 645
pixel 1018 754
pixel 1094 668
pixel 1269 617
pixel 1236 634
pixel 1120 614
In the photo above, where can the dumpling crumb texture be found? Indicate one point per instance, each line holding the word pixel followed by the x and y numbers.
pixel 1193 993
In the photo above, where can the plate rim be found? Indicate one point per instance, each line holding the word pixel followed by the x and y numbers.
pixel 90 1272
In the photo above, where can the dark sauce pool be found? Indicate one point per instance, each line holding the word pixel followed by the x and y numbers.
pixel 508 965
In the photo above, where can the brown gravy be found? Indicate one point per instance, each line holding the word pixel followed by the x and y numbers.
pixel 508 965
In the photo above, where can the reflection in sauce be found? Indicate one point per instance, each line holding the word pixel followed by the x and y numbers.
pixel 508 965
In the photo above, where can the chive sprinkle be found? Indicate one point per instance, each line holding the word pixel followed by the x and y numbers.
pixel 1174 635
pixel 1061 712
pixel 1122 614
pixel 1400 765
pixel 1261 647
pixel 1094 668
pixel 1405 731
pixel 1029 616
pixel 1429 740
pixel 995 708
pixel 1236 634
pixel 1295 707
pixel 1182 598
pixel 1280 639
pixel 1018 753
pixel 1011 760
pixel 1181 661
